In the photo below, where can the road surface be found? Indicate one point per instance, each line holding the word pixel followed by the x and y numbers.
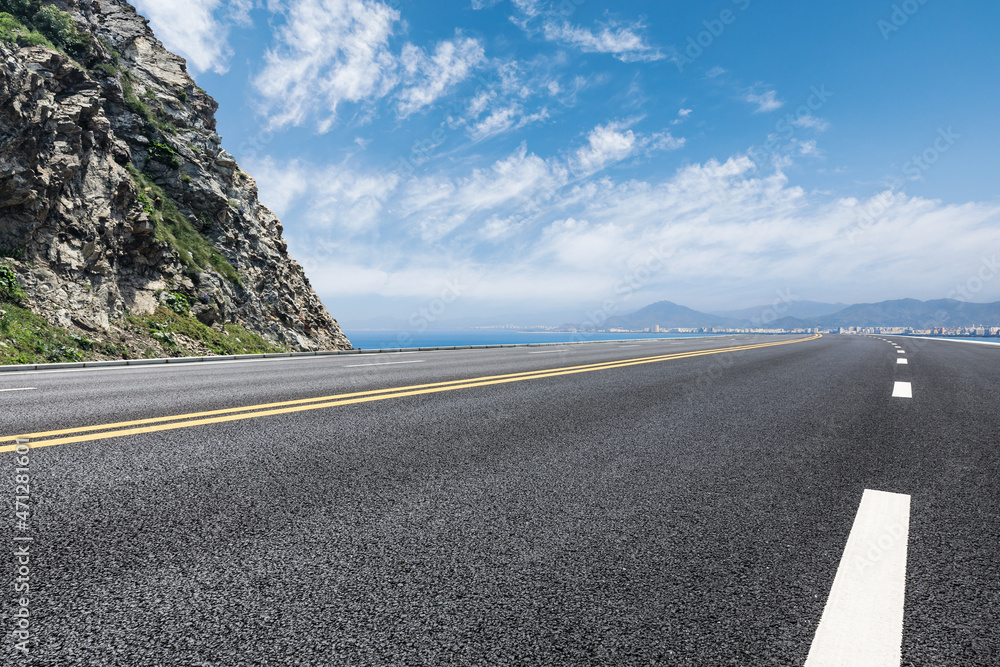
pixel 652 502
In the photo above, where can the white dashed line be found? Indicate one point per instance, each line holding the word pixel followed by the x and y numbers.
pixel 20 389
pixel 862 622
pixel 901 351
pixel 900 360
pixel 902 390
pixel 386 363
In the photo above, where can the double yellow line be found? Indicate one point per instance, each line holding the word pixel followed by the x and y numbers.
pixel 155 424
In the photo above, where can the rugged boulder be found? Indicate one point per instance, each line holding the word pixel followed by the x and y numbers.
pixel 116 194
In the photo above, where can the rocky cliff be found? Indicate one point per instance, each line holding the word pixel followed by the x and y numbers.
pixel 117 198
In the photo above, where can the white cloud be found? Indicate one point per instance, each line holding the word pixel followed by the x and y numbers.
pixel 190 29
pixel 605 145
pixel 329 52
pixel 332 198
pixel 521 183
pixel 766 101
pixel 609 144
pixel 811 122
pixel 430 77
pixel 504 119
pixel 808 147
pixel 239 12
pixel 682 115
pixel 527 228
pixel 334 51
pixel 622 42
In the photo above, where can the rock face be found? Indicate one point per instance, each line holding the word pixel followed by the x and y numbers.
pixel 90 147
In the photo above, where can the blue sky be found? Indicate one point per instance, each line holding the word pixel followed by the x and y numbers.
pixel 545 158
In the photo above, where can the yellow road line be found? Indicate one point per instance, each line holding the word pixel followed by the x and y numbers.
pixel 321 399
pixel 287 407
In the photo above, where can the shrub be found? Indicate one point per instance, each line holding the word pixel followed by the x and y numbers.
pixel 29 23
pixel 179 303
pixel 23 10
pixel 13 253
pixel 164 154
pixel 61 30
pixel 13 31
pixel 10 289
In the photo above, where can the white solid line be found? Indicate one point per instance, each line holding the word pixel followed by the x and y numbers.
pixel 547 351
pixel 629 346
pixel 902 390
pixel 862 623
pixel 959 340
pixel 21 389
pixel 386 363
pixel 900 360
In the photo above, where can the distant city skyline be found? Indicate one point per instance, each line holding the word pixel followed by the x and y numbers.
pixel 542 156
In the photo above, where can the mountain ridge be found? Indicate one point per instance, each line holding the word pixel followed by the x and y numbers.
pixel 910 313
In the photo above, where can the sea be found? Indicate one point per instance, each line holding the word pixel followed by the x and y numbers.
pixel 381 339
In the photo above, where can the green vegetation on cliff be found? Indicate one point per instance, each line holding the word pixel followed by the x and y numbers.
pixel 26 338
pixel 30 23
pixel 165 324
pixel 193 248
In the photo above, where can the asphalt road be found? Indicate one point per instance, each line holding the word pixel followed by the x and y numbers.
pixel 689 510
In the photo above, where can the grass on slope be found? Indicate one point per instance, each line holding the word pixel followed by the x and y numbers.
pixel 26 338
pixel 13 31
pixel 193 248
pixel 233 339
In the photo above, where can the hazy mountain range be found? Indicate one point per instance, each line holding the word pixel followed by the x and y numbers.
pixel 808 314
pixel 781 315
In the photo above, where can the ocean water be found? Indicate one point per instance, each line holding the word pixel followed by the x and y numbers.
pixel 376 339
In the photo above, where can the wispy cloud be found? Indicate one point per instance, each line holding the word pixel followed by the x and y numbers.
pixel 328 52
pixel 429 77
pixel 512 95
pixel 621 41
pixel 812 122
pixel 766 101
pixel 331 52
pixel 533 228
pixel 612 143
pixel 190 28
pixel 335 199
pixel 682 115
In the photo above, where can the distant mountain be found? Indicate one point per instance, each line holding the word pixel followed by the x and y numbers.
pixel 767 313
pixel 897 313
pixel 907 313
pixel 668 315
